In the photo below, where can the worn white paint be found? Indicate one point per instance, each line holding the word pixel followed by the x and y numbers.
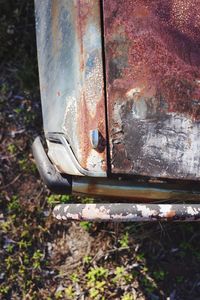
pixel 164 209
pixel 176 143
pixel 146 211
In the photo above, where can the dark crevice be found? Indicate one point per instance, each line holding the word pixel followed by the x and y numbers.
pixel 105 87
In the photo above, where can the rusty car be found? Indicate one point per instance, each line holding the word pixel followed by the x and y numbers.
pixel 120 93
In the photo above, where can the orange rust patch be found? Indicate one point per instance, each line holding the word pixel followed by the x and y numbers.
pixel 91 114
pixel 171 214
pixel 86 123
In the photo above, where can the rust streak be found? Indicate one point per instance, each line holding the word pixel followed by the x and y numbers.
pixel 56 34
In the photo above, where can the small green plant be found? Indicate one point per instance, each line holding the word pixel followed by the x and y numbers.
pixel 55 199
pixel 23 164
pixel 14 204
pixel 23 244
pixel 96 282
pixel 37 259
pixel 58 295
pixel 17 110
pixel 74 278
pixel 87 259
pixel 12 149
pixel 122 276
pixel 124 241
pixel 159 275
pixel 128 297
pixel 87 200
pixel 10 262
pixel 10 248
pixel 97 291
pixel 86 225
pixel 69 292
pixel 4 289
pixel 5 226
pixel 96 273
pixel 140 257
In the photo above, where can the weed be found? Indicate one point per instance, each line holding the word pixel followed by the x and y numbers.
pixel 69 292
pixel 87 259
pixel 140 257
pixel 96 281
pixel 6 226
pixel 122 276
pixel 87 200
pixel 23 244
pixel 10 248
pixel 86 225
pixel 74 278
pixel 4 290
pixel 14 204
pixel 12 149
pixel 124 241
pixel 96 273
pixel 128 297
pixel 55 199
pixel 9 262
pixel 159 275
pixel 58 295
pixel 37 259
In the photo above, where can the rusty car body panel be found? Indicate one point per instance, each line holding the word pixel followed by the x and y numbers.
pixel 152 53
pixel 120 93
pixel 71 76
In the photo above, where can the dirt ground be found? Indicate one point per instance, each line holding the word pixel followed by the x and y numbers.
pixel 41 258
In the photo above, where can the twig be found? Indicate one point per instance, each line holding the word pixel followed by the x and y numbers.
pixel 13 181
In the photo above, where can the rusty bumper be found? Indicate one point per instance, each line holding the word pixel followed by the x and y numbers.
pixel 126 212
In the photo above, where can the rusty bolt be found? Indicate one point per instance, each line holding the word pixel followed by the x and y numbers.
pixel 97 141
pixel 94 138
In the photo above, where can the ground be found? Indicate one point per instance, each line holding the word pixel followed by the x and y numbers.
pixel 41 258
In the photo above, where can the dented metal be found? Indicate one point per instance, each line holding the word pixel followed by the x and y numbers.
pixel 152 54
pixel 71 76
pixel 126 212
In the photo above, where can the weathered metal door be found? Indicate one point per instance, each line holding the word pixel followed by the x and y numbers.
pixel 152 53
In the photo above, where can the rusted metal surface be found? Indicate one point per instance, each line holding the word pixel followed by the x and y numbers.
pixel 126 212
pixel 141 192
pixel 152 52
pixel 71 75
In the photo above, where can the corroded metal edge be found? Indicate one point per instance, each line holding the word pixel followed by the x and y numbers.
pixel 126 212
pixel 61 139
pixel 132 190
pixel 69 46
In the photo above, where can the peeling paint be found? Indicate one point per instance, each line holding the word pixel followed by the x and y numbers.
pixel 126 212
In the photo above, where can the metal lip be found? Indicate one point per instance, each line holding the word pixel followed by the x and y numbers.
pixel 52 178
pixel 60 138
pixel 144 192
